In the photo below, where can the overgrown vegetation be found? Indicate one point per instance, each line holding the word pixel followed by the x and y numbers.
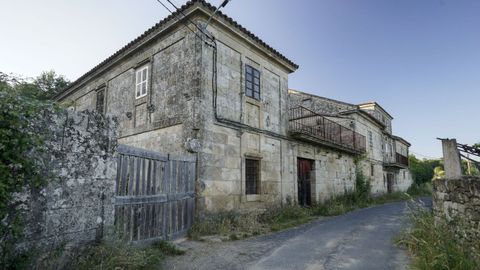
pixel 20 144
pixel 434 245
pixel 238 225
pixel 121 255
pixel 423 169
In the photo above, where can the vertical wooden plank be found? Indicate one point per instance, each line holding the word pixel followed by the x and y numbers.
pixel 189 213
pixel 174 217
pixel 162 224
pixel 181 215
pixel 131 175
pixel 191 210
pixel 166 219
pixel 185 215
pixel 118 218
pixel 124 176
pixel 192 177
pixel 161 220
pixel 137 222
pixel 162 172
pixel 115 218
pixel 125 223
pixel 153 179
pixel 173 179
pixel 131 230
pixel 149 215
pixel 184 177
pixel 154 219
pixel 137 175
pixel 167 176
pixel 143 176
pixel 149 176
pixel 141 228
pixel 118 176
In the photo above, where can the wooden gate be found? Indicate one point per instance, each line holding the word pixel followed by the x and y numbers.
pixel 155 194
pixel 304 171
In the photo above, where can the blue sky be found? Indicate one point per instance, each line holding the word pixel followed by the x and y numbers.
pixel 420 59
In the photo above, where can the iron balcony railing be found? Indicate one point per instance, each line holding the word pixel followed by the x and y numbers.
pixel 305 122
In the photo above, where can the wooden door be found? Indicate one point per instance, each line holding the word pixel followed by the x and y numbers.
pixel 390 182
pixel 304 171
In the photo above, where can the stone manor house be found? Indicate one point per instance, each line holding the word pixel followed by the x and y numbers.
pixel 222 94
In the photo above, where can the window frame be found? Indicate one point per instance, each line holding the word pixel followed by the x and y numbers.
pixel 100 106
pixel 251 74
pixel 370 139
pixel 255 189
pixel 143 81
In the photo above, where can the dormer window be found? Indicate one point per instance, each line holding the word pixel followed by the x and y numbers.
pixel 141 82
pixel 252 82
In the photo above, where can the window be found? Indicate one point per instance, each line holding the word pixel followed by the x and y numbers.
pixel 100 100
pixel 370 139
pixel 404 176
pixel 252 82
pixel 372 170
pixel 252 179
pixel 141 82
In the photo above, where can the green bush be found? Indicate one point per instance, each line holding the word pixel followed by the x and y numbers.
pixel 424 189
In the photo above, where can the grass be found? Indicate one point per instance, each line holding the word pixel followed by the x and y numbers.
pixel 238 225
pixel 120 255
pixel 434 245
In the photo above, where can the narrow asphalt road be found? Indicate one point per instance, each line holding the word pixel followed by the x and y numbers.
pixel 362 239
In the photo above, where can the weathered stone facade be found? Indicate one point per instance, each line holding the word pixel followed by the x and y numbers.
pixel 380 162
pixel 458 201
pixel 196 102
pixel 76 205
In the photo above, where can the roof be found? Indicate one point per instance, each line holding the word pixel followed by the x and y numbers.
pixel 375 104
pixel 168 19
pixel 365 114
pixel 356 108
pixel 401 140
pixel 316 96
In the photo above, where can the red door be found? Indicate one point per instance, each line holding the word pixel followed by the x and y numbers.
pixel 304 171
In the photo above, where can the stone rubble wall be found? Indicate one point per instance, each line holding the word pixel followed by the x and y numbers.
pixel 77 204
pixel 458 200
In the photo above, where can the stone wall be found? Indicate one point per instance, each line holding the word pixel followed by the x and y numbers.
pixel 76 205
pixel 458 200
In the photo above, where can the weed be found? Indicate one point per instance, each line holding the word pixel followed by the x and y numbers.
pixel 434 245
pixel 237 225
pixel 120 255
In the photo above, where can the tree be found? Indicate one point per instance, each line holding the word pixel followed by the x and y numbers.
pixel 51 83
pixel 43 87
pixel 423 170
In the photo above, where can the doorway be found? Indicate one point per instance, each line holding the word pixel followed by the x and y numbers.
pixel 304 181
pixel 390 182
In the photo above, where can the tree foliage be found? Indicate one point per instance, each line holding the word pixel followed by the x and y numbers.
pixel 43 87
pixel 423 169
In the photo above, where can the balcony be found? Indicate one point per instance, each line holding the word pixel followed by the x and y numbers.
pixel 400 161
pixel 309 126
